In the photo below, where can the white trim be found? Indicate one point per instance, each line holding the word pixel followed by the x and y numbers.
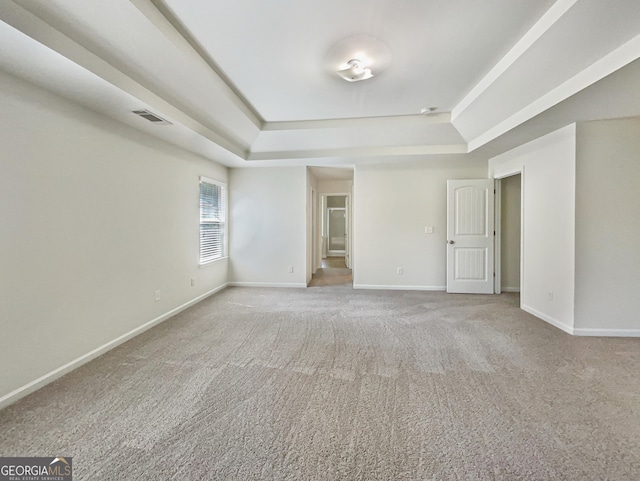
pixel 213 261
pixel 510 289
pixel 554 322
pixel 508 172
pixel 167 23
pixel 355 122
pixel 360 152
pixel 541 27
pixel 225 219
pixel 620 57
pixel 42 381
pixel 209 180
pixel 267 284
pixel 582 331
pixel 497 236
pixel 522 217
pixel 607 332
pixel 399 288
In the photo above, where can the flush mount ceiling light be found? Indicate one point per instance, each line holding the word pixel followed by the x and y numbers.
pixel 357 58
pixel 354 71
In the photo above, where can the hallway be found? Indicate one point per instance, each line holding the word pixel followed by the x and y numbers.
pixel 333 272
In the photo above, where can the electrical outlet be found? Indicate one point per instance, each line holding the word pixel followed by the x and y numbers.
pixel 193 281
pixel 550 295
pixel 290 269
pixel 428 230
pixel 157 296
pixel 400 270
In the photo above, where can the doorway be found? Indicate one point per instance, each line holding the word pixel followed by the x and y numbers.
pixel 335 268
pixel 336 227
pixel 509 218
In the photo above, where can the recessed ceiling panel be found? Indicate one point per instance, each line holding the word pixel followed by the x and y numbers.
pixel 277 52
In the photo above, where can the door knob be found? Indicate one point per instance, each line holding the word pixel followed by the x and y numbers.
pixel 451 242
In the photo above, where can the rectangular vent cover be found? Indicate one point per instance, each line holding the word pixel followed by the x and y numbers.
pixel 151 117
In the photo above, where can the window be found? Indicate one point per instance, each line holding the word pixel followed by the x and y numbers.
pixel 213 213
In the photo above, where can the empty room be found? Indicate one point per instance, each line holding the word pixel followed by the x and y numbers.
pixel 304 240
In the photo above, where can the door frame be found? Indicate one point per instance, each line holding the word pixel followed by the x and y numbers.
pixel 498 226
pixel 314 231
pixel 338 252
pixel 349 224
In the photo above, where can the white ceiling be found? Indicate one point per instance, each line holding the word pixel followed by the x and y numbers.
pixel 249 82
pixel 275 51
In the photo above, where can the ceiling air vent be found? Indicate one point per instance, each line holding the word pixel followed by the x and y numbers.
pixel 151 117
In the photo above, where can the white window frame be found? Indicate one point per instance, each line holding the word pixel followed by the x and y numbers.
pixel 220 220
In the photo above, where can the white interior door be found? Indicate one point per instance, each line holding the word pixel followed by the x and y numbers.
pixel 470 236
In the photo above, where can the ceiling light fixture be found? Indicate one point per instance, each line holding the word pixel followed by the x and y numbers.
pixel 354 58
pixel 354 71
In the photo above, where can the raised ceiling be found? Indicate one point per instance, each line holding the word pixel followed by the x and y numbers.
pixel 275 51
pixel 249 82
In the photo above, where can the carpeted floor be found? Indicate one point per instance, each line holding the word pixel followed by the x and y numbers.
pixel 335 384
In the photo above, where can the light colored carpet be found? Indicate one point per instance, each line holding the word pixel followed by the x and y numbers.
pixel 335 384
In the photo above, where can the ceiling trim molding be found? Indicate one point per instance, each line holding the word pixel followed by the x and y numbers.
pixel 403 150
pixel 355 122
pixel 550 17
pixel 615 60
pixel 32 25
pixel 163 18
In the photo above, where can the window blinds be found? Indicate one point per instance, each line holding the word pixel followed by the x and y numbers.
pixel 212 220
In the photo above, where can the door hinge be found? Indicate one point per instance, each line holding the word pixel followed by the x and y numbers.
pixel 494 232
pixel 494 274
pixel 494 191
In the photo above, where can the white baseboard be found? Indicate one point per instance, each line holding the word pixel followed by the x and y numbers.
pixel 607 332
pixel 267 284
pixel 76 363
pixel 583 331
pixel 510 289
pixel 554 322
pixel 399 288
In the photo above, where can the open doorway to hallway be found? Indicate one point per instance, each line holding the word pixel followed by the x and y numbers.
pixel 335 266
pixel 332 224
pixel 333 272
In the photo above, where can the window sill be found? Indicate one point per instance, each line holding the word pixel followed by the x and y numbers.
pixel 215 261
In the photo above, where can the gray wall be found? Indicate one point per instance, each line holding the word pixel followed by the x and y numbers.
pixel 608 225
pixel 393 203
pixel 95 218
pixel 268 226
pixel 548 172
